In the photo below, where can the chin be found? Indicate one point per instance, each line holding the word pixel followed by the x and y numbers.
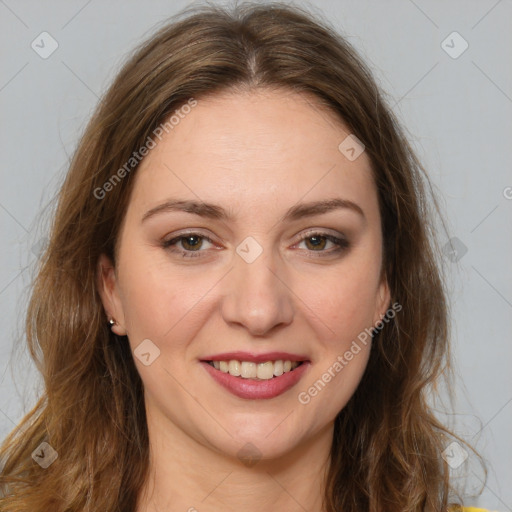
pixel 267 438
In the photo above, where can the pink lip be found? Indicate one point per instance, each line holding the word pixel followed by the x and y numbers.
pixel 257 389
pixel 256 358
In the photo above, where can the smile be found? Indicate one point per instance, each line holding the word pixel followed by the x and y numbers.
pixel 253 381
pixel 251 370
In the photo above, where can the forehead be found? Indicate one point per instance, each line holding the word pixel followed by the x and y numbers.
pixel 254 148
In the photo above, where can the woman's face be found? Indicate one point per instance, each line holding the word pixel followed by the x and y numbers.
pixel 250 237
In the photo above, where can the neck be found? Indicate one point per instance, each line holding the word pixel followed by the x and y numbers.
pixel 187 476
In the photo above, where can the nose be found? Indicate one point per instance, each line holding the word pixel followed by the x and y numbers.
pixel 257 296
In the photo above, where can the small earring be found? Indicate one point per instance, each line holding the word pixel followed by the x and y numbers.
pixel 112 322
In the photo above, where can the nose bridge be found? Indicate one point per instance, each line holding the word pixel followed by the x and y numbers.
pixel 257 297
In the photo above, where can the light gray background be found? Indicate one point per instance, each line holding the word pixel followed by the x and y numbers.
pixel 458 113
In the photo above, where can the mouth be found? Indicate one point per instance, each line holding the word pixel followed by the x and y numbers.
pixel 256 371
pixel 263 379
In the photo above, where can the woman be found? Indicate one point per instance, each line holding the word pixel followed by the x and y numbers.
pixel 241 306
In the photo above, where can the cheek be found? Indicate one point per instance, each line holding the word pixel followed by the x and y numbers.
pixel 346 304
pixel 159 299
pixel 333 382
pixel 343 304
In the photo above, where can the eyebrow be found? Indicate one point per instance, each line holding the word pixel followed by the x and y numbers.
pixel 212 211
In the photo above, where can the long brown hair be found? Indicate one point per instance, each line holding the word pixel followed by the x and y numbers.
pixel 386 451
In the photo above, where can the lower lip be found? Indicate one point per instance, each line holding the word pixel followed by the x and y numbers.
pixel 257 389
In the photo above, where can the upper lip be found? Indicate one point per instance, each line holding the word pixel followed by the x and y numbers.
pixel 256 358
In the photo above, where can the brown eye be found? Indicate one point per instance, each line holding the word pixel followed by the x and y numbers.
pixel 324 243
pixel 191 242
pixel 316 242
pixel 188 244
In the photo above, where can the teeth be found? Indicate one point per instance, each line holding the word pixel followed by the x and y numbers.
pixel 250 370
pixel 265 370
pixel 235 368
pixel 278 368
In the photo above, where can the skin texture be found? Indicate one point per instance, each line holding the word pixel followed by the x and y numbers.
pixel 256 154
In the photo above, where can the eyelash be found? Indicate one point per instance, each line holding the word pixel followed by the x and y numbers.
pixel 341 243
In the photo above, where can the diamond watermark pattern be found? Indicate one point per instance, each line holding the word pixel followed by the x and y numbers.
pixel 454 455
pixel 454 249
pixel 249 249
pixel 45 455
pixel 44 45
pixel 39 247
pixel 351 147
pixel 146 352
pixel 454 45
pixel 249 455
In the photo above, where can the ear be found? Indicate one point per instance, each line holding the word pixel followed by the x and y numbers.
pixel 106 282
pixel 383 302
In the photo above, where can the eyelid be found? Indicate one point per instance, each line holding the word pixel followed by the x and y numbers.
pixel 339 240
pixel 321 232
pixel 184 233
pixel 299 238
